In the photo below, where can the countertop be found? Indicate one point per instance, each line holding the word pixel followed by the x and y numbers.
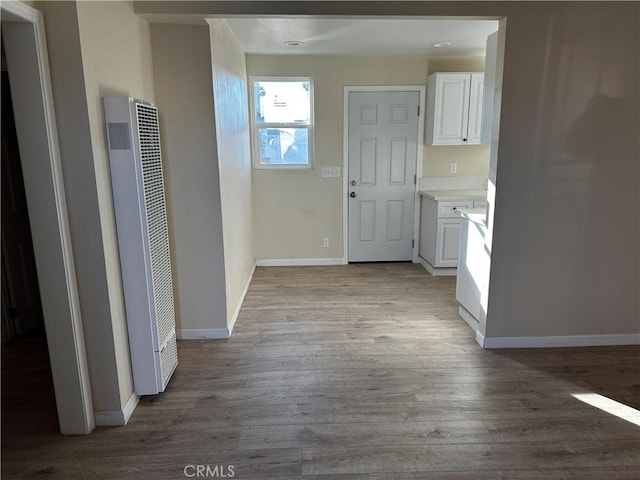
pixel 454 194
pixel 475 215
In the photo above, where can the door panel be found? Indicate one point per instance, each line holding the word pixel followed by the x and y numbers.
pixel 448 243
pixel 367 161
pixel 398 161
pixel 395 219
pixel 367 214
pixel 382 149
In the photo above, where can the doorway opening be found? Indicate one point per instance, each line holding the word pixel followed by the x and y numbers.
pixel 28 400
pixel 24 45
pixel 457 155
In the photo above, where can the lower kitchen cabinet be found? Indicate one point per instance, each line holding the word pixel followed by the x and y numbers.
pixel 440 233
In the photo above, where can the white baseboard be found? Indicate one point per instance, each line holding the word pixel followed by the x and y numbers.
pixel 217 333
pixel 560 341
pixel 299 262
pixel 437 272
pixel 201 333
pixel 479 338
pixel 115 418
pixel 245 288
pixel 468 318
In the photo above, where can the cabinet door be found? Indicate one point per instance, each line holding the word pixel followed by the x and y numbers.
pixel 448 243
pixel 451 109
pixel 476 100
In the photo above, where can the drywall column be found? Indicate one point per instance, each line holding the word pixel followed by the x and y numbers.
pixel 184 96
pixel 234 162
pixel 565 250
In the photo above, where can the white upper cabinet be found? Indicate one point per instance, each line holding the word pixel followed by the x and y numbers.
pixel 475 109
pixel 454 108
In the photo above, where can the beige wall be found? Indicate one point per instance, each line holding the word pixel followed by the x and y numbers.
pixel 182 64
pixel 96 49
pixel 116 55
pixel 287 229
pixel 470 160
pixel 295 209
pixel 234 161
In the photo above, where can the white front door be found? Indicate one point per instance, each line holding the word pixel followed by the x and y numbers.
pixel 382 155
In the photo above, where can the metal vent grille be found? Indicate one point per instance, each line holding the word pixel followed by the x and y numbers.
pixel 118 133
pixel 168 359
pixel 156 217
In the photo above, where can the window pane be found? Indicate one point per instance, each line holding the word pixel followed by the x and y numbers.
pixel 282 102
pixel 286 146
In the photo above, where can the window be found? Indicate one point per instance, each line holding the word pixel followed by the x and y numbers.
pixel 282 113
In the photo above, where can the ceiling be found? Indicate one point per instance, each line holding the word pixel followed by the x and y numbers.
pixel 322 36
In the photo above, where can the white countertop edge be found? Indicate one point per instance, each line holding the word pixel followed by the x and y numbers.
pixel 454 194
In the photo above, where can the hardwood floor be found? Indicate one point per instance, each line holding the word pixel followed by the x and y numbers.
pixel 359 372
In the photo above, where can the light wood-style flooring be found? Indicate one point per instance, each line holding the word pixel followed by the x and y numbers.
pixel 351 373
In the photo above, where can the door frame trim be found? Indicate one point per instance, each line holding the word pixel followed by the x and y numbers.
pixel 421 89
pixel 46 198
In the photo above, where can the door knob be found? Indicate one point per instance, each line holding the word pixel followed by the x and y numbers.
pixel 353 194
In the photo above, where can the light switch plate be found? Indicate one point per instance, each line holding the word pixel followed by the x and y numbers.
pixel 330 172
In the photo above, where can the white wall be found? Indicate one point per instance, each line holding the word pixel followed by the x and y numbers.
pixel 234 161
pixel 184 96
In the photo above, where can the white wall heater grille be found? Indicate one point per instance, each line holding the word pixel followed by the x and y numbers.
pixel 141 218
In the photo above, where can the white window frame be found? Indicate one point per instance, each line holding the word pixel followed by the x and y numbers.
pixel 255 139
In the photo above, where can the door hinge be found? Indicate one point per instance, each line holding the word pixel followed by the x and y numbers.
pixel 418 110
pixel 413 243
pixel 13 313
pixel 415 179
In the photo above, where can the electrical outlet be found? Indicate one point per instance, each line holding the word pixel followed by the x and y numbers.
pixel 453 167
pixel 325 243
pixel 330 172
